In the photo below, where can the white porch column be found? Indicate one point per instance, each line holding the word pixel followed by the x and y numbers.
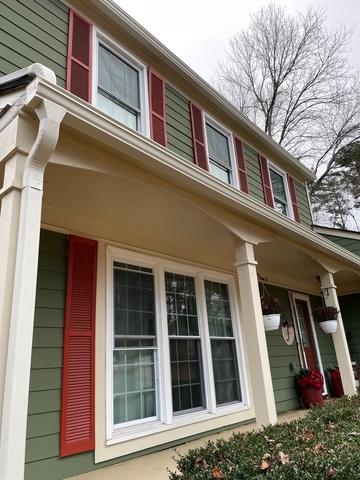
pixel 339 338
pixel 254 333
pixel 10 197
pixel 17 369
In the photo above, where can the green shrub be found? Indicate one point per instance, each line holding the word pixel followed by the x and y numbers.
pixel 324 444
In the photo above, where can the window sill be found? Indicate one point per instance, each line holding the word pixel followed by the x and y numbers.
pixel 151 428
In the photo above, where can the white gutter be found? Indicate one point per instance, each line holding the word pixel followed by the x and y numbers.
pixel 17 378
pixel 84 118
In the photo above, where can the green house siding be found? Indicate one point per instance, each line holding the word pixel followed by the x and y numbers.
pixel 303 204
pixel 178 124
pixel 282 358
pixel 326 344
pixel 349 243
pixel 350 311
pixel 253 172
pixel 33 31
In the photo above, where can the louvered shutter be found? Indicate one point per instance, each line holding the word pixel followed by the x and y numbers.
pixel 241 165
pixel 78 376
pixel 157 107
pixel 265 177
pixel 295 207
pixel 79 61
pixel 198 137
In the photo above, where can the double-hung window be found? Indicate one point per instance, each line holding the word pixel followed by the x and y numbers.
pixel 120 87
pixel 175 345
pixel 219 152
pixel 280 191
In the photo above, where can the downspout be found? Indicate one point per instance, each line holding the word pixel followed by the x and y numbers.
pixel 17 376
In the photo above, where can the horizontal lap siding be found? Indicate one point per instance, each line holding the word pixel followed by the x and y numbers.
pixel 178 124
pixel 350 311
pixel 253 173
pixel 325 342
pixel 33 31
pixel 281 356
pixel 303 204
pixel 348 243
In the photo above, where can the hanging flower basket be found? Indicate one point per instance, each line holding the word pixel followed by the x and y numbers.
pixel 271 309
pixel 271 321
pixel 309 384
pixel 327 318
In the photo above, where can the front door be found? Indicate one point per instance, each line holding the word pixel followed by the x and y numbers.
pixel 305 333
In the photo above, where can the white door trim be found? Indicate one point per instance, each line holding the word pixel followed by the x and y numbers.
pixel 293 296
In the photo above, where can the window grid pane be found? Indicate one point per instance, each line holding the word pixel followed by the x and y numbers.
pixel 118 88
pixel 185 353
pixel 223 348
pixel 134 353
pixel 279 192
pixel 218 146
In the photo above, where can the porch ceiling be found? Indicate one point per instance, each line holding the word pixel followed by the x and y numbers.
pixel 134 214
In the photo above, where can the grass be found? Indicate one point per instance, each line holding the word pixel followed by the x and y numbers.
pixel 324 444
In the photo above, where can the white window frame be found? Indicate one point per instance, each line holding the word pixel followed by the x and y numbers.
pixel 166 420
pixel 121 52
pixel 282 173
pixel 234 179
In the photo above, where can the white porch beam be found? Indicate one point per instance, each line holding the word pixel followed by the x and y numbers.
pixel 339 337
pixel 17 369
pixel 254 333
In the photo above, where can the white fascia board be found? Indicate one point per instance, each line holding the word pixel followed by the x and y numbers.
pixel 336 232
pixel 165 56
pixel 88 120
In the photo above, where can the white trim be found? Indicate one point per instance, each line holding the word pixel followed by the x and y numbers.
pixel 282 173
pixel 306 298
pixel 165 418
pixel 234 179
pixel 337 233
pixel 118 50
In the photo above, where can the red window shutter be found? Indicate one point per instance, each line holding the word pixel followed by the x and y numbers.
pixel 77 432
pixel 198 135
pixel 79 57
pixel 241 164
pixel 265 177
pixel 294 202
pixel 157 107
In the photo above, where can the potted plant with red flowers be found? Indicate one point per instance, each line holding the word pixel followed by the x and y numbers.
pixel 271 309
pixel 336 383
pixel 309 384
pixel 326 318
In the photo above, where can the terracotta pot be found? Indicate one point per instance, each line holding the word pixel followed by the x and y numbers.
pixel 311 396
pixel 337 387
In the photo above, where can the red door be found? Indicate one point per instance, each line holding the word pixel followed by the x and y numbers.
pixel 305 332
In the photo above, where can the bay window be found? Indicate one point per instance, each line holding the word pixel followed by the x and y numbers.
pixel 175 345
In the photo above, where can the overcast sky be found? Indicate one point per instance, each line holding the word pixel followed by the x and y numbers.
pixel 198 31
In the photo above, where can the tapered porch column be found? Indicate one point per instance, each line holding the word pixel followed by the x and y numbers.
pixel 339 338
pixel 254 334
pixel 18 360
pixel 10 197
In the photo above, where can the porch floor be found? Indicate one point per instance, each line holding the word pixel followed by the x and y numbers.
pixel 156 464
